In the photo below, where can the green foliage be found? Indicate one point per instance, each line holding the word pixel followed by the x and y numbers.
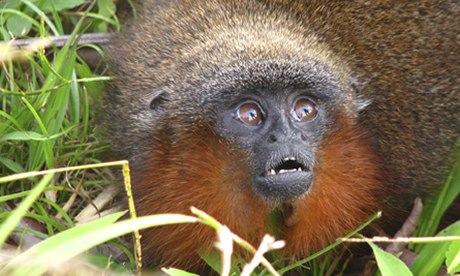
pixel 45 115
pixel 47 100
pixel 13 219
pixel 389 264
pixel 436 205
pixel 433 255
pixel 77 240
pixel 453 257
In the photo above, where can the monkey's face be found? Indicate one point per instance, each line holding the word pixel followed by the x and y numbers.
pixel 275 123
pixel 280 130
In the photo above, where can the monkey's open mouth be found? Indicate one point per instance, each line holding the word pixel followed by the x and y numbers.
pixel 288 165
pixel 284 180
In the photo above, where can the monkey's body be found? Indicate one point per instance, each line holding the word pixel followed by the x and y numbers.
pixel 182 63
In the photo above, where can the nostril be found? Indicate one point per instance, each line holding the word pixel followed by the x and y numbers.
pixel 303 137
pixel 273 138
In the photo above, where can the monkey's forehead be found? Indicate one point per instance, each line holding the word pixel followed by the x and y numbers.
pixel 206 50
pixel 215 31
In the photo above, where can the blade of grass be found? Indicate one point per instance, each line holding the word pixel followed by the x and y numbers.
pixel 15 216
pixel 432 255
pixel 23 15
pixel 435 206
pixel 19 176
pixel 42 15
pixel 70 243
pixel 453 258
pixel 44 219
pixel 25 193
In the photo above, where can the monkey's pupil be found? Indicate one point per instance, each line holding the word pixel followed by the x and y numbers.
pixel 304 110
pixel 250 114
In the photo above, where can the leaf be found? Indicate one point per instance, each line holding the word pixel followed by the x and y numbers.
pixel 453 258
pixel 10 164
pixel 436 205
pixel 30 136
pixel 18 26
pixel 59 5
pixel 212 259
pixel 22 136
pixel 388 263
pixel 71 243
pixel 10 4
pixel 107 9
pixel 432 255
pixel 177 272
pixel 13 219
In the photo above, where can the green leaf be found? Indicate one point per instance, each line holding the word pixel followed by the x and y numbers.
pixel 16 215
pixel 10 4
pixel 18 25
pixel 10 164
pixel 436 205
pixel 453 258
pixel 388 263
pixel 59 5
pixel 212 259
pixel 23 136
pixel 432 255
pixel 53 243
pixel 75 241
pixel 177 272
pixel 107 263
pixel 107 9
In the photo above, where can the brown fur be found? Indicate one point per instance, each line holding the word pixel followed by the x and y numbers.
pixel 212 179
pixel 402 56
pixel 346 190
pixel 216 180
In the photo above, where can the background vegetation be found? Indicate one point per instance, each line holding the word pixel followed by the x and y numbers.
pixel 48 99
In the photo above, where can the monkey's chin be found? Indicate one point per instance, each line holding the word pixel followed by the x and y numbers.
pixel 281 188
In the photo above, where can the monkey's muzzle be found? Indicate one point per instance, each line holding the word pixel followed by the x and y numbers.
pixel 284 179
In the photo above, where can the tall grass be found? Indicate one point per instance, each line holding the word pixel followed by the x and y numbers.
pixel 48 99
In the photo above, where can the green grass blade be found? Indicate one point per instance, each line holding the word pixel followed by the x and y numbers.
pixel 435 206
pixel 71 243
pixel 25 193
pixel 42 14
pixel 12 165
pixel 15 216
pixel 21 264
pixel 453 258
pixel 432 255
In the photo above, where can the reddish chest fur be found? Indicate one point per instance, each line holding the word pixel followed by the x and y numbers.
pixel 344 193
pixel 199 170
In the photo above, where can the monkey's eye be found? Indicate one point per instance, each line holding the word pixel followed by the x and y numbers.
pixel 304 110
pixel 250 113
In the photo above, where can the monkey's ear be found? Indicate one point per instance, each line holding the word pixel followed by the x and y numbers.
pixel 157 99
pixel 360 102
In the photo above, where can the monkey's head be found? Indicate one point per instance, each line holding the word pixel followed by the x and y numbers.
pixel 276 112
pixel 238 116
